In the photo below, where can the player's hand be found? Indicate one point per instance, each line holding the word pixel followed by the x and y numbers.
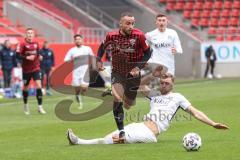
pixel 40 57
pixel 220 126
pixel 100 66
pixel 135 72
pixel 174 51
pixel 160 71
pixel 31 57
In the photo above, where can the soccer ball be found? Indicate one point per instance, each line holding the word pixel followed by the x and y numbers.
pixel 192 142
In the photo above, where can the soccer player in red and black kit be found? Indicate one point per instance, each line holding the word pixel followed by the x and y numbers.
pixel 129 55
pixel 28 51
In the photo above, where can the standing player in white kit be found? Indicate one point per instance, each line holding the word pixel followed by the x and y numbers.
pixel 82 58
pixel 165 44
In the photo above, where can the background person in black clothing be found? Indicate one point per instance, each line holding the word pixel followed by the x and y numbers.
pixel 47 64
pixel 7 62
pixel 211 59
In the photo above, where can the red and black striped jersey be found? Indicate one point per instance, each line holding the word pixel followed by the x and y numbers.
pixel 29 48
pixel 126 50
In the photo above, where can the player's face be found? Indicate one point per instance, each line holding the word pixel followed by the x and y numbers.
pixel 127 24
pixel 166 85
pixel 30 35
pixel 161 23
pixel 7 44
pixel 78 41
pixel 45 45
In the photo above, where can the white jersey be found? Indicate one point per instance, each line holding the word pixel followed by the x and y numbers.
pixel 162 44
pixel 80 57
pixel 164 107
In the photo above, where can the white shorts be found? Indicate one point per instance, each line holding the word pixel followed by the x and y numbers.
pixel 80 76
pixel 135 133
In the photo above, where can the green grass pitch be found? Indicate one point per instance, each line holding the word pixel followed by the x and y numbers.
pixel 42 137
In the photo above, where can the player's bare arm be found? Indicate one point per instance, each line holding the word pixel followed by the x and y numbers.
pixel 199 115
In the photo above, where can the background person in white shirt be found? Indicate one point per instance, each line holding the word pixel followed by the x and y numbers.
pixel 162 110
pixel 165 44
pixel 81 56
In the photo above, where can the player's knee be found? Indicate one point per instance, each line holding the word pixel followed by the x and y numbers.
pixel 129 103
pixel 25 88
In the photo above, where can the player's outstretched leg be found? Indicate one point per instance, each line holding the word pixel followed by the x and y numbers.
pixel 74 140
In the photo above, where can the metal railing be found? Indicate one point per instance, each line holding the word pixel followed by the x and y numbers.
pixel 93 35
pixel 58 18
pixel 98 14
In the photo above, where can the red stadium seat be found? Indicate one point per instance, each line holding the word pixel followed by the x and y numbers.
pixel 232 30
pixel 227 5
pixel 215 13
pixel 221 30
pixel 217 5
pixel 219 38
pixel 187 14
pixel 194 22
pixel 204 22
pixel 237 38
pixel 188 6
pixel 196 14
pixel 223 22
pixel 233 21
pixel 198 6
pixel 236 5
pixel 208 5
pixel 170 6
pixel 162 1
pixel 225 13
pixel 179 6
pixel 214 22
pixel 212 31
pixel 229 38
pixel 205 14
pixel 235 13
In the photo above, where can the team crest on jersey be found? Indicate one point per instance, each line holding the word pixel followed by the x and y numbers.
pixel 35 45
pixel 132 42
pixel 27 46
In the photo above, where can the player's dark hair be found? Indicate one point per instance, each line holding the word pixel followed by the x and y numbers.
pixel 128 14
pixel 77 35
pixel 28 29
pixel 160 15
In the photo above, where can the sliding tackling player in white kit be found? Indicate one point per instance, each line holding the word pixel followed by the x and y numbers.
pixel 162 110
pixel 81 56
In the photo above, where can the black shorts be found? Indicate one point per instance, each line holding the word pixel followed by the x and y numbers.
pixel 129 83
pixel 33 75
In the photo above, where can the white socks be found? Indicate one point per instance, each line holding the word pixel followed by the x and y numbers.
pixel 106 140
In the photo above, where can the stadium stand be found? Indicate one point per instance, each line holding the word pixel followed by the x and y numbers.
pixel 220 17
pixel 10 30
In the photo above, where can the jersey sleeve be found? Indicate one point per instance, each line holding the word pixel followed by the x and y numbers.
pixel 90 52
pixel 20 49
pixel 177 43
pixel 68 56
pixel 143 42
pixel 183 102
